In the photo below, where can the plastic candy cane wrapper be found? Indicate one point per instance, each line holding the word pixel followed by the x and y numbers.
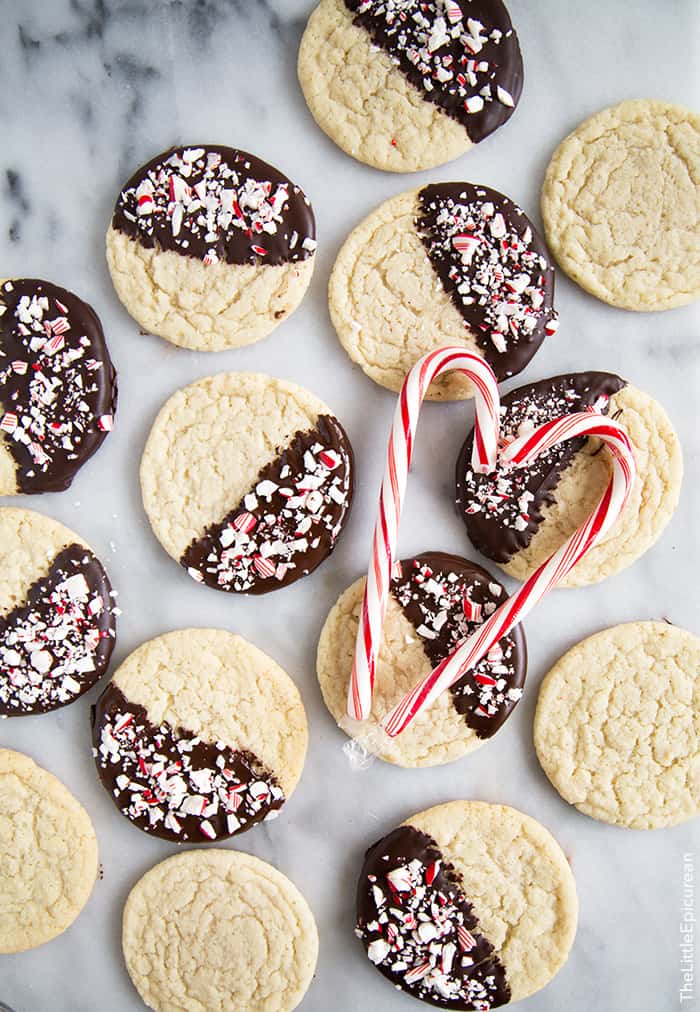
pixel 486 451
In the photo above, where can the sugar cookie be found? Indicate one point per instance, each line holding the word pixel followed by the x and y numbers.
pixel 617 727
pixel 58 387
pixel 621 205
pixel 247 481
pixel 57 615
pixel 436 601
pixel 467 906
pixel 218 930
pixel 519 516
pixel 406 84
pixel 210 247
pixel 199 736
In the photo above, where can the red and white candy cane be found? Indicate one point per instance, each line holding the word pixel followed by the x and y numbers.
pixel 522 452
pixel 400 451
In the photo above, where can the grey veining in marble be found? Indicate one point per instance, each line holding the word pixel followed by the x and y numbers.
pixel 91 88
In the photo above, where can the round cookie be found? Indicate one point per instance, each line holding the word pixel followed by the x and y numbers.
pixel 451 263
pixel 210 247
pixel 58 387
pixel 617 727
pixel 519 516
pixel 436 601
pixel 404 85
pixel 48 854
pixel 199 736
pixel 221 930
pixel 621 205
pixel 57 618
pixel 247 481
pixel 467 906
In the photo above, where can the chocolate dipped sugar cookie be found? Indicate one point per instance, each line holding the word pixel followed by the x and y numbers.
pixel 210 247
pixel 467 905
pixel 57 615
pixel 58 387
pixel 621 205
pixel 221 930
pixel 449 264
pixel 247 481
pixel 436 600
pixel 617 727
pixel 518 516
pixel 199 736
pixel 404 85
pixel 48 854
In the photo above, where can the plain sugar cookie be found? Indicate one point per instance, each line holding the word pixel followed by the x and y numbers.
pixel 58 387
pixel 199 736
pixel 621 205
pixel 210 247
pixel 436 600
pixel 57 615
pixel 448 264
pixel 247 481
pixel 617 727
pixel 467 906
pixel 519 516
pixel 48 854
pixel 218 930
pixel 404 85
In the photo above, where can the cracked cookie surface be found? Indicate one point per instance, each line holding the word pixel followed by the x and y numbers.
pixel 621 205
pixel 617 726
pixel 48 854
pixel 218 930
pixel 210 247
pixel 247 481
pixel 511 901
pixel 199 736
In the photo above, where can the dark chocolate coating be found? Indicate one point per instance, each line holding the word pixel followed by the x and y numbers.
pixel 72 387
pixel 523 253
pixel 402 36
pixel 483 979
pixel 148 746
pixel 204 555
pixel 231 243
pixel 492 530
pixel 472 695
pixel 42 614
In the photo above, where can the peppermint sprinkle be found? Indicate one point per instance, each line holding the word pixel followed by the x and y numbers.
pixel 494 267
pixel 217 205
pixel 463 57
pixel 287 524
pixel 173 784
pixel 424 937
pixel 446 599
pixel 56 645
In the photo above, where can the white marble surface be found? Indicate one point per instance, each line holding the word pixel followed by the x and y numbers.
pixel 91 88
